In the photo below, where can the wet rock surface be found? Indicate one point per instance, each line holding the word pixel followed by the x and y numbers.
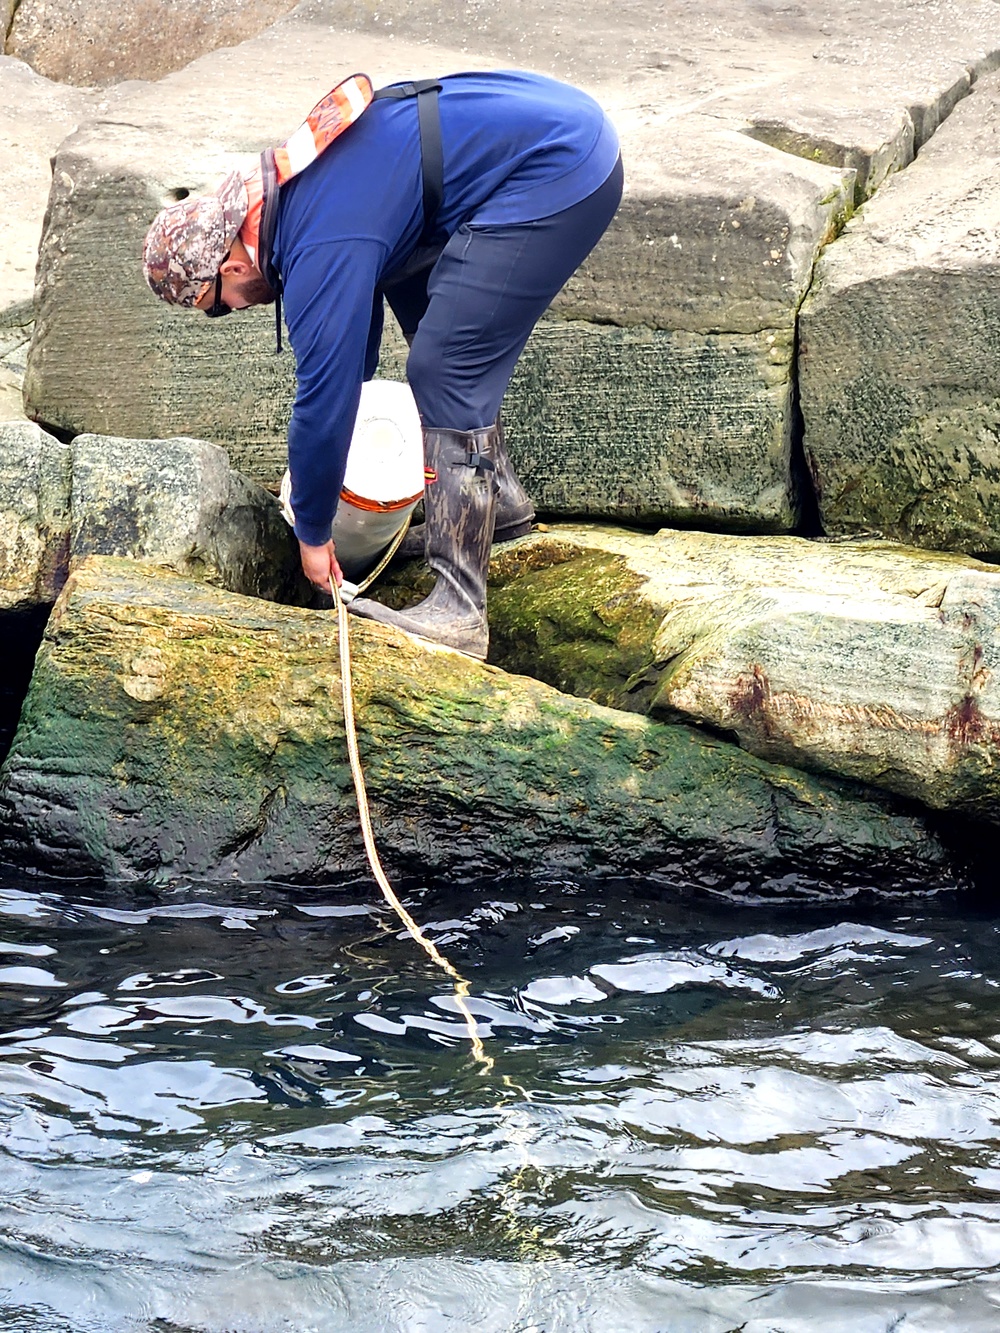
pixel 175 729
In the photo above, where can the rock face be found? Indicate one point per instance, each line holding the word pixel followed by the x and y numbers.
pixel 179 503
pixel 900 349
pixel 175 729
pixel 869 661
pixel 176 502
pixel 75 41
pixel 36 115
pixel 662 386
pixel 35 479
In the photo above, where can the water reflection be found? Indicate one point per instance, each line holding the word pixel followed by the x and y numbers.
pixel 258 1111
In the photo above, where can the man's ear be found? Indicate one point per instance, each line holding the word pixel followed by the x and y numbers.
pixel 236 266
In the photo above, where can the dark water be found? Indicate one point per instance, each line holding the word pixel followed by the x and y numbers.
pixel 257 1110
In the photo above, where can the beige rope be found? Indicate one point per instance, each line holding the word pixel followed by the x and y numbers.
pixel 346 687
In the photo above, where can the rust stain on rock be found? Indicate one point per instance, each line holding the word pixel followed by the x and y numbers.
pixel 964 724
pixel 751 696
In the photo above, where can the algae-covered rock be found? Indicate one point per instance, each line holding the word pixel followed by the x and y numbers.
pixel 172 728
pixel 863 659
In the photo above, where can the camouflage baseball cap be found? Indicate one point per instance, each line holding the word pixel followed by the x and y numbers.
pixel 188 241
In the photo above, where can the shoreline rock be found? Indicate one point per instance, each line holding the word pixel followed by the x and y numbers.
pixel 175 729
pixel 899 350
pixel 677 336
pixel 866 660
pixel 176 501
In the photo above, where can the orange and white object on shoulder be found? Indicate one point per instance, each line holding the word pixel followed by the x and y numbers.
pixel 188 241
pixel 333 114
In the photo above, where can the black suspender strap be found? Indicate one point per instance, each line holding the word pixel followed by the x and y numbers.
pixel 431 170
pixel 431 154
pixel 265 236
pixel 431 150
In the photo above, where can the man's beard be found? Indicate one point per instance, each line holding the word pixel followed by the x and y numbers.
pixel 256 291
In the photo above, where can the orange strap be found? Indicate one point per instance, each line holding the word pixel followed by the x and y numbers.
pixel 340 108
pixel 377 506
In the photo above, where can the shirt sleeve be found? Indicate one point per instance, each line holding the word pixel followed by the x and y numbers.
pixel 328 297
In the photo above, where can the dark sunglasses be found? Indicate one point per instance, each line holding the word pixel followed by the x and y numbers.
pixel 218 308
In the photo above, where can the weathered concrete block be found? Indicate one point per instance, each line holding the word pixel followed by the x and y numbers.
pixel 75 41
pixel 900 349
pixel 866 660
pixel 175 729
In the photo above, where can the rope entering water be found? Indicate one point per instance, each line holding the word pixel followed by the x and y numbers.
pixel 528 1236
pixel 347 691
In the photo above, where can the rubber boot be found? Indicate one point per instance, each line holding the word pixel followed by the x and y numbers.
pixel 460 508
pixel 514 511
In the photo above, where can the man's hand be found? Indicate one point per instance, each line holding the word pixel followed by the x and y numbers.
pixel 320 565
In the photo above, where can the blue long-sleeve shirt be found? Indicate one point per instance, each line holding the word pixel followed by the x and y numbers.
pixel 517 147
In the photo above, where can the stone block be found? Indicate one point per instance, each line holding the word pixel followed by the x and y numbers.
pixel 76 41
pixel 35 472
pixel 693 295
pixel 178 502
pixel 900 349
pixel 862 659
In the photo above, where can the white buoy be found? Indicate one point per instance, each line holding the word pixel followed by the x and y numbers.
pixel 384 481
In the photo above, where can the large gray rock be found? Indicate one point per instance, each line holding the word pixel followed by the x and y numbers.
pixel 900 349
pixel 176 502
pixel 76 41
pixel 36 115
pixel 661 386
pixel 35 472
pixel 172 729
pixel 865 660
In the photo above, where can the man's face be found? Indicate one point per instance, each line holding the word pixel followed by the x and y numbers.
pixel 240 284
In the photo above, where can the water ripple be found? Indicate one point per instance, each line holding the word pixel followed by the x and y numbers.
pixel 257 1110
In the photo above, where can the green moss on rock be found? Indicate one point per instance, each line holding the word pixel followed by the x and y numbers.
pixel 175 729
